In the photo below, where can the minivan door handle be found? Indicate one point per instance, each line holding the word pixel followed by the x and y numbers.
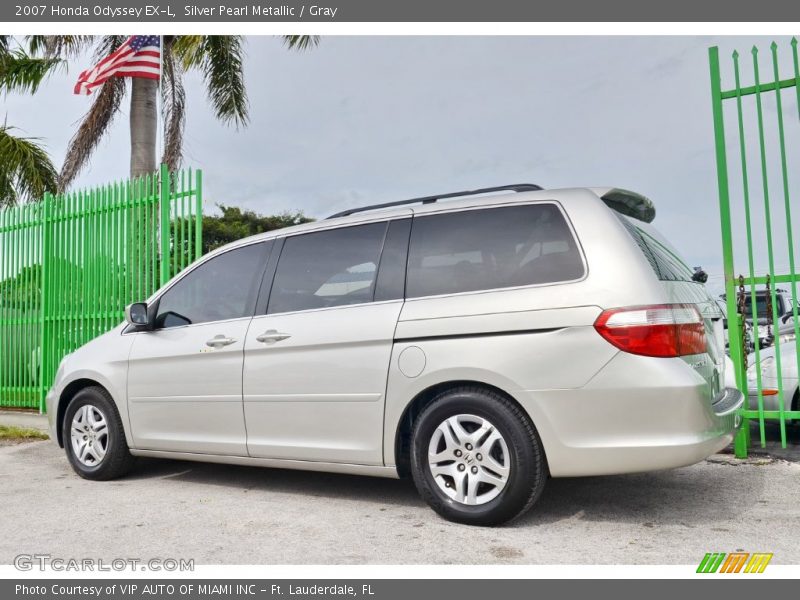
pixel 270 336
pixel 218 341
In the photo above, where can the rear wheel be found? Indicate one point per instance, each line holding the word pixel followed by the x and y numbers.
pixel 93 436
pixel 476 457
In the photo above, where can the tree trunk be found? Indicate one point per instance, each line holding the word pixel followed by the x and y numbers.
pixel 143 162
pixel 143 126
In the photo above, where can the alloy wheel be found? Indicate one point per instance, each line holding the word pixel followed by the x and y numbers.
pixel 468 459
pixel 89 435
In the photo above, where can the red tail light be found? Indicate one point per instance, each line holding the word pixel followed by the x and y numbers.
pixel 663 330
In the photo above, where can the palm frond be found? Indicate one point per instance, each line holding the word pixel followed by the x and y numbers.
pixel 26 171
pixel 189 50
pixel 220 61
pixel 20 72
pixel 63 46
pixel 300 42
pixel 4 46
pixel 173 101
pixel 91 130
pixel 8 195
pixel 106 45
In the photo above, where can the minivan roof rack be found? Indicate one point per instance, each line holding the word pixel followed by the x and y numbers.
pixel 517 187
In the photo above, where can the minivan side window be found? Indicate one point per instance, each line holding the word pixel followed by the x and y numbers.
pixel 666 264
pixel 491 248
pixel 221 288
pixel 335 267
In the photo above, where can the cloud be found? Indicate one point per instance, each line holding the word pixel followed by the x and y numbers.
pixel 371 119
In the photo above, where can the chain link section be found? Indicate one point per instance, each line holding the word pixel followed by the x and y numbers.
pixel 770 320
pixel 741 306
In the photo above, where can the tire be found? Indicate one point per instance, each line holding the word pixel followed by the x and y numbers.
pixel 100 453
pixel 510 478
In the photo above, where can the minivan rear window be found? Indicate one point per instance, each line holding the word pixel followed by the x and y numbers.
pixel 666 264
pixel 491 248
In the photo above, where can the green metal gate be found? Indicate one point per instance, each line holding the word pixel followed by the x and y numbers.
pixel 69 265
pixel 759 109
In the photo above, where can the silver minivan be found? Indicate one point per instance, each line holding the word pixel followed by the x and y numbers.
pixel 478 345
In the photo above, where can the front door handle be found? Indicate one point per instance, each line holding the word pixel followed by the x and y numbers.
pixel 270 336
pixel 218 341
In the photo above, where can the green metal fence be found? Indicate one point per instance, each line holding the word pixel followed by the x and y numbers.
pixel 69 265
pixel 756 113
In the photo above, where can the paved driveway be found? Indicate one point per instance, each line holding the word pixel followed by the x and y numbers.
pixel 242 515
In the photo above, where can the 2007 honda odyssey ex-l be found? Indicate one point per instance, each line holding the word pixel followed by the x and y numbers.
pixel 478 345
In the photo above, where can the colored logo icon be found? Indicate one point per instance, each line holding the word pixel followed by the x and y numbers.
pixel 734 562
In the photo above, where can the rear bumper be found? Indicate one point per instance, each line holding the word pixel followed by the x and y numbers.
pixel 638 414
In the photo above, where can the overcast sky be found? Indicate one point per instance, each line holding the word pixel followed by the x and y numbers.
pixel 361 120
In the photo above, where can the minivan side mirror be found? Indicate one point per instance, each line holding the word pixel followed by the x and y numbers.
pixel 137 314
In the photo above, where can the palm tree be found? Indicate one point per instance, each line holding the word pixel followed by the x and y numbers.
pixel 218 58
pixel 26 171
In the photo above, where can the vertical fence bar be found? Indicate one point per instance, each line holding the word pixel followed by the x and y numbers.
pixel 139 190
pixel 102 240
pixel 4 353
pixel 43 297
pixel 18 239
pixel 768 227
pixel 155 247
pixel 181 250
pixel 163 203
pixel 6 382
pixel 30 349
pixel 14 310
pixel 734 333
pixel 748 230
pixel 198 215
pixel 190 221
pixel 789 239
pixel 3 299
pixel 21 312
pixel 174 203
pixel 796 64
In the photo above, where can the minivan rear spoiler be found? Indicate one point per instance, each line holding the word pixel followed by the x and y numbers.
pixel 628 203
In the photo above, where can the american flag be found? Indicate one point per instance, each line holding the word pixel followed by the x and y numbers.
pixel 139 56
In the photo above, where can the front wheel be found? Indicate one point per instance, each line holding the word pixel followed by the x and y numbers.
pixel 93 436
pixel 477 458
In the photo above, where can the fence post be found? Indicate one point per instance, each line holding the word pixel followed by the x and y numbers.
pixel 198 216
pixel 164 208
pixel 734 324
pixel 44 294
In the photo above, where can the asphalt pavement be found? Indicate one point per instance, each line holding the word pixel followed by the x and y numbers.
pixel 218 514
